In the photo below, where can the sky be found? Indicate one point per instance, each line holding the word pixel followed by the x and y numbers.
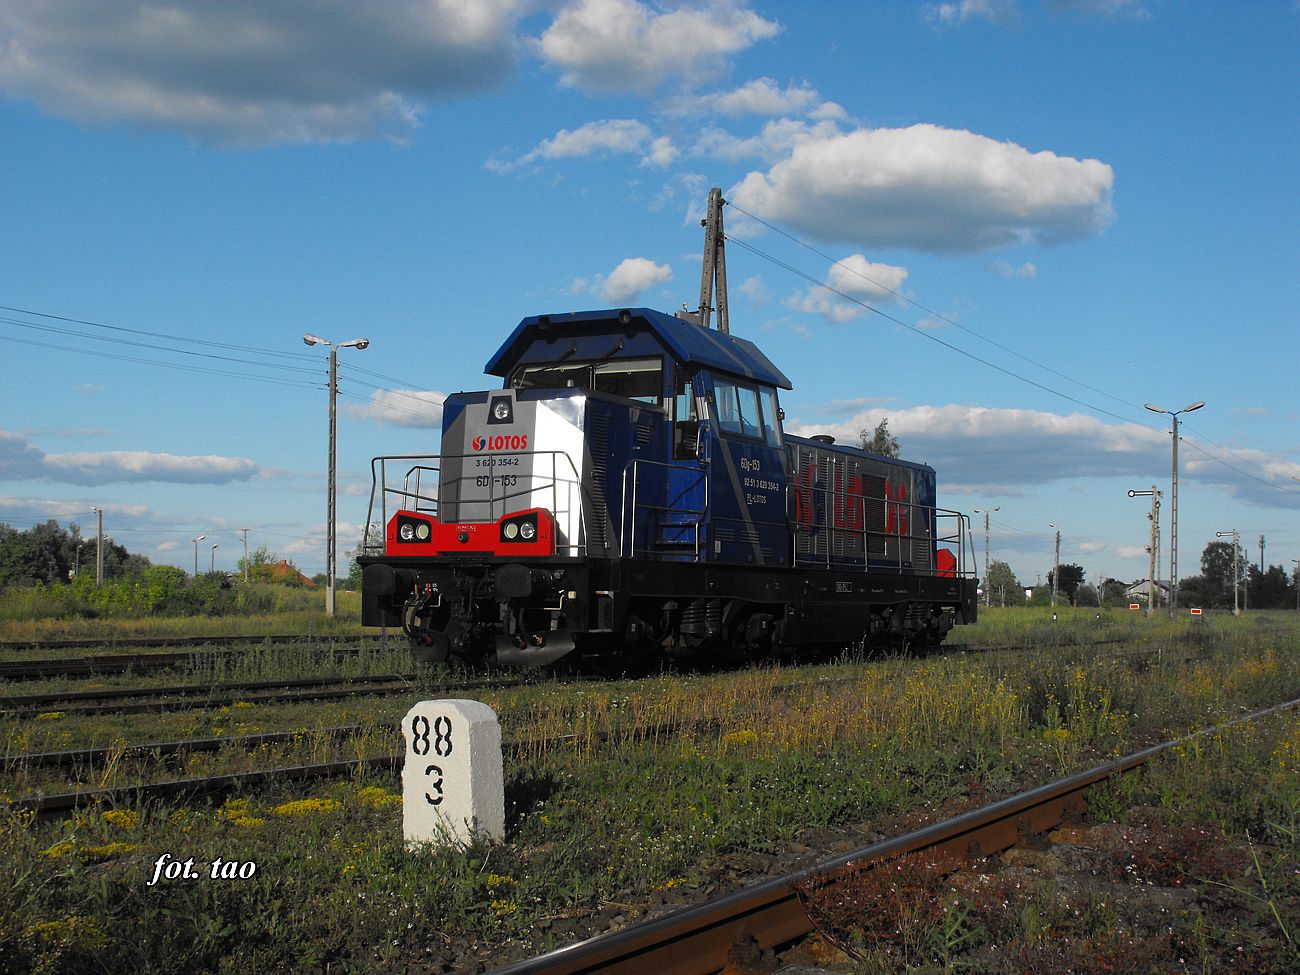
pixel 1004 225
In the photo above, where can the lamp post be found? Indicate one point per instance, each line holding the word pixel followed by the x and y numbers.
pixel 1056 570
pixel 1236 567
pixel 196 554
pixel 1173 493
pixel 334 389
pixel 988 592
pixel 212 566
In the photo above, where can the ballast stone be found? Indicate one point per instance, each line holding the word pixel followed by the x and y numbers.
pixel 453 785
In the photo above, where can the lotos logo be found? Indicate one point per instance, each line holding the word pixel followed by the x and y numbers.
pixel 501 442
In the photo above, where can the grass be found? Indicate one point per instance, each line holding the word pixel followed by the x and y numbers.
pixel 740 765
pixel 299 612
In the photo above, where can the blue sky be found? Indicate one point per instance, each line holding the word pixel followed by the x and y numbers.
pixel 1056 211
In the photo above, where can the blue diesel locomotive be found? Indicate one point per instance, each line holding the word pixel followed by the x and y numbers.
pixel 630 490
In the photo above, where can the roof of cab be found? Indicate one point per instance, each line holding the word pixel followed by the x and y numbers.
pixel 685 340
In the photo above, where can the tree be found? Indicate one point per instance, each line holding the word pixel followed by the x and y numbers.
pixel 47 553
pixel 373 543
pixel 261 555
pixel 1217 573
pixel 1071 579
pixel 1002 585
pixel 880 441
pixel 1271 589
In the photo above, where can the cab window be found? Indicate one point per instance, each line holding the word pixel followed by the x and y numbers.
pixel 638 379
pixel 745 411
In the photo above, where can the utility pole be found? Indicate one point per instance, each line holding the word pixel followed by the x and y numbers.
pixel 1261 554
pixel 988 593
pixel 1297 584
pixel 714 278
pixel 332 505
pixel 99 549
pixel 1236 566
pixel 1173 517
pixel 245 531
pixel 1056 571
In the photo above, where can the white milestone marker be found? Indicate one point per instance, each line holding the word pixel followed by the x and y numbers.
pixel 453 787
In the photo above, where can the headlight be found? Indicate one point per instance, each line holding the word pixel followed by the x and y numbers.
pixel 422 531
pixel 406 532
pixel 527 531
pixel 511 531
pixel 501 410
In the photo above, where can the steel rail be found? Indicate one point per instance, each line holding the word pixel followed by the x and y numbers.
pixel 178 641
pixel 51 805
pixel 136 663
pixel 185 690
pixel 696 940
pixel 91 756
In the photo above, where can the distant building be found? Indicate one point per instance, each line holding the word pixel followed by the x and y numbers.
pixel 282 572
pixel 1141 590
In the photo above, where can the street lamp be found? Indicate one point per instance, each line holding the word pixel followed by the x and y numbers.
pixel 1173 494
pixel 1236 568
pixel 1056 570
pixel 212 566
pixel 334 390
pixel 196 554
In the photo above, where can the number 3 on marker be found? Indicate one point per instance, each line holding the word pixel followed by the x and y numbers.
pixel 435 785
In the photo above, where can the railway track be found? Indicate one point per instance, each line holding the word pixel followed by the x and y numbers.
pixel 194 696
pixel 176 641
pixel 59 804
pixel 698 940
pixel 137 663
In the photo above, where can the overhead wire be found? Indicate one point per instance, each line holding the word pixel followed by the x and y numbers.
pixel 275 380
pixel 161 335
pixel 912 327
pixel 934 338
pixel 901 296
pixel 150 345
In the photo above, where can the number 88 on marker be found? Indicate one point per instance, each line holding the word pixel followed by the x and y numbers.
pixel 452 781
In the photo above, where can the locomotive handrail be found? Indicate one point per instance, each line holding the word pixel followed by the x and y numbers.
pixel 628 540
pixel 434 463
pixel 865 535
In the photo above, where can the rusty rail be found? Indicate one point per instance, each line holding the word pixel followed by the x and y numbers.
pixel 696 940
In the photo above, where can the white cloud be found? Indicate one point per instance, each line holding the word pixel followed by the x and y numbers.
pixel 976 445
pixel 247 72
pixel 755 290
pixel 1026 271
pixel 22 460
pixel 603 137
pixel 68 510
pixel 762 96
pixel 929 188
pixel 1103 8
pixel 1132 552
pixel 632 276
pixel 954 14
pixel 777 139
pixel 858 278
pixel 401 407
pixel 624 45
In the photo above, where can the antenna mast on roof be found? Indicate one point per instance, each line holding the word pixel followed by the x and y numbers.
pixel 714 276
